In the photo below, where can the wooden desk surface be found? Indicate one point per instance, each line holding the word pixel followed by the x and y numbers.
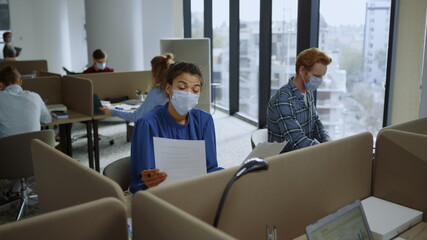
pixel 417 232
pixel 73 117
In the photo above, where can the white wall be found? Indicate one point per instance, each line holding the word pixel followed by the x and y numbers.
pixel 44 30
pixel 409 61
pixel 116 27
pixel 160 19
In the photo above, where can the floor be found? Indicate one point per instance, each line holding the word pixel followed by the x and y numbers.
pixel 232 137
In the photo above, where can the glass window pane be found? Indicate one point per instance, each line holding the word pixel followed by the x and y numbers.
pixel 197 18
pixel 283 42
pixel 249 58
pixel 220 52
pixel 355 35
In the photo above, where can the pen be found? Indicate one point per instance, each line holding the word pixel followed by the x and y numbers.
pixel 119 108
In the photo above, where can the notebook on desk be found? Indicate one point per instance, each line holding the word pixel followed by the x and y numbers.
pixel 348 222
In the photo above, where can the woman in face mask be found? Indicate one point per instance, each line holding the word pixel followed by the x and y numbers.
pixel 178 119
pixel 156 96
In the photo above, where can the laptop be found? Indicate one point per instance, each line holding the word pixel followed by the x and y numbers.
pixel 348 222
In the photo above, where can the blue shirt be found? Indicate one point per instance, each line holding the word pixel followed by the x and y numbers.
pixel 154 97
pixel 159 123
pixel 290 119
pixel 21 111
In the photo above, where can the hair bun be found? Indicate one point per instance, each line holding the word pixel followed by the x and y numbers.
pixel 169 56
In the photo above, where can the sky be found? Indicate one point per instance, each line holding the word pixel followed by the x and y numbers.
pixel 335 12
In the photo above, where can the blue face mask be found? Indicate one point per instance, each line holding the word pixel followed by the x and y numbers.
pixel 100 66
pixel 313 84
pixel 9 39
pixel 184 101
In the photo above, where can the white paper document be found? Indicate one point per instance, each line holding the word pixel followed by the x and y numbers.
pixel 180 159
pixel 267 149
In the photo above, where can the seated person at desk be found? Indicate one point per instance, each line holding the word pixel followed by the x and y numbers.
pixel 99 58
pixel 10 53
pixel 291 113
pixel 20 111
pixel 178 119
pixel 156 96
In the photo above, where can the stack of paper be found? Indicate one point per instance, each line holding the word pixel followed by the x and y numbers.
pixel 386 219
pixel 56 107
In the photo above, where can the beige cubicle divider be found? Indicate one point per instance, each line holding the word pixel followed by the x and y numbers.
pixel 63 182
pixel 47 74
pixel 118 84
pixel 49 88
pixel 198 51
pixel 96 220
pixel 27 67
pixel 400 170
pixel 147 224
pixel 299 188
pixel 77 94
pixel 415 126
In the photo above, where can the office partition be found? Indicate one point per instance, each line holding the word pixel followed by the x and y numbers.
pixel 27 67
pixel 299 188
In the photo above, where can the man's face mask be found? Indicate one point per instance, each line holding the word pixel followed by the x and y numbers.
pixel 100 66
pixel 184 101
pixel 313 84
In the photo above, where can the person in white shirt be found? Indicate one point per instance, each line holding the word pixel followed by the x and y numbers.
pixel 20 111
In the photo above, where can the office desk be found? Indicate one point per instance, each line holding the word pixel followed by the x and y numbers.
pixel 417 232
pixel 65 132
pixel 95 120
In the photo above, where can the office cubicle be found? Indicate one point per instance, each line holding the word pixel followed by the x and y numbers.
pixel 28 67
pixel 118 84
pixel 299 188
pixel 400 168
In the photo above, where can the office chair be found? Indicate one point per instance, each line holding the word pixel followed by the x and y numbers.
pixel 16 163
pixel 259 136
pixel 119 171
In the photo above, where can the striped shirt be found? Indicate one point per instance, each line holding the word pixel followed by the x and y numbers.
pixel 290 119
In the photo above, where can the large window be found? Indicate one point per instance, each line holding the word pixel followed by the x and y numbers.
pixel 249 59
pixel 283 42
pixel 355 34
pixel 220 52
pixel 197 18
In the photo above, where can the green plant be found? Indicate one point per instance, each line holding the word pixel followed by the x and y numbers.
pixel 139 92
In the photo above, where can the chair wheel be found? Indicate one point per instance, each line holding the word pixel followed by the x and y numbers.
pixel 111 142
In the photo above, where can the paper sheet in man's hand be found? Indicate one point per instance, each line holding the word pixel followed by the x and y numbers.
pixel 180 159
pixel 267 149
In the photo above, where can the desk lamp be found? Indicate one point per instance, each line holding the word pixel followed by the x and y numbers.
pixel 249 165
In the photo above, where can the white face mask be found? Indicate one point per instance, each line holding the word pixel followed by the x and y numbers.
pixel 100 66
pixel 184 101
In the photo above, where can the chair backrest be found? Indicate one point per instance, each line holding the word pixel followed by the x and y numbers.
pixel 259 136
pixel 96 220
pixel 119 171
pixel 15 161
pixel 63 182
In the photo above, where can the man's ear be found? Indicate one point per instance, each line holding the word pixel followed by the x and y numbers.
pixel 20 82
